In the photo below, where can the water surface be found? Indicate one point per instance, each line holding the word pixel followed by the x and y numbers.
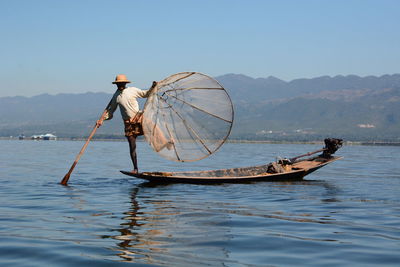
pixel 346 213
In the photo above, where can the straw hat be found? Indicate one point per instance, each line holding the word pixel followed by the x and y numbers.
pixel 121 78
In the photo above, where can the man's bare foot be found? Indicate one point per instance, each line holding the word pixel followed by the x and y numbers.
pixel 135 171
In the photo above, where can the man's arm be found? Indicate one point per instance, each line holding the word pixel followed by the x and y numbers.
pixel 110 111
pixel 147 93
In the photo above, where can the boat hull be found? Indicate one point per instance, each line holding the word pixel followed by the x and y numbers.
pixel 297 173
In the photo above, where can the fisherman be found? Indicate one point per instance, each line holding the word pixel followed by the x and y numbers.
pixel 126 99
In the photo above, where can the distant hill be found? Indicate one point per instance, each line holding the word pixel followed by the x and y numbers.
pixel 63 114
pixel 246 89
pixel 352 107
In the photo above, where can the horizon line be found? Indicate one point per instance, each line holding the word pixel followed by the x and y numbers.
pixel 216 77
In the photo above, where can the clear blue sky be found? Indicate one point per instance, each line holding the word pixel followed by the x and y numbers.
pixel 78 46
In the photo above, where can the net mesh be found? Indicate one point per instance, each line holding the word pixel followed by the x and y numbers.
pixel 187 117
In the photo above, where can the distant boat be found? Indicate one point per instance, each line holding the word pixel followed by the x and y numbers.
pixel 47 136
pixel 21 137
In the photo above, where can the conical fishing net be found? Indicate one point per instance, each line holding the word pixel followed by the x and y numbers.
pixel 187 117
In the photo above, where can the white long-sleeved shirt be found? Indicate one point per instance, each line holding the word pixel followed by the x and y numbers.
pixel 126 100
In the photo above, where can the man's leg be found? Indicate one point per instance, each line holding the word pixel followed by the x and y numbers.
pixel 132 151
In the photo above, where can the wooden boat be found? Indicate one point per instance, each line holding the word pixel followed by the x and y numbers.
pixel 281 170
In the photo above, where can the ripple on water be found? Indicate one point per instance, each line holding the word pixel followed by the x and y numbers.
pixel 347 213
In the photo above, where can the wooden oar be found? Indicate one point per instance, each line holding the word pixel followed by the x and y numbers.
pixel 64 181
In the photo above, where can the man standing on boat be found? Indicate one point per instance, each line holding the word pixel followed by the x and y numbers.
pixel 126 99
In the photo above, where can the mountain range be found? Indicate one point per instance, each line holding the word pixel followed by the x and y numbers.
pixel 350 107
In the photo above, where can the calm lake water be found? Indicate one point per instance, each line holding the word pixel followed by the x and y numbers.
pixel 347 213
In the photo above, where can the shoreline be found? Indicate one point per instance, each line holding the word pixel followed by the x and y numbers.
pixel 242 141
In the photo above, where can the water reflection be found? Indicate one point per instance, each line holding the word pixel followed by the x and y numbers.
pixel 164 224
pixel 137 238
pixel 160 231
